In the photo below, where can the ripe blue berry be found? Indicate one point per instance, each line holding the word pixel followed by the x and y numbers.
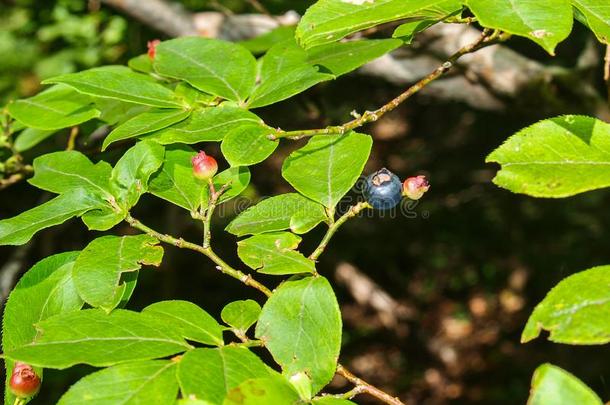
pixel 383 189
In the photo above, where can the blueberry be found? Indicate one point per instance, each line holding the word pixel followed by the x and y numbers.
pixel 383 189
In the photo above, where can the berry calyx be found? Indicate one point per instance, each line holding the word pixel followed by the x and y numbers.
pixel 415 187
pixel 152 48
pixel 383 190
pixel 204 166
pixel 24 382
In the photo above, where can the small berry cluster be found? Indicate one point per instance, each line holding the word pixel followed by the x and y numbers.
pixel 383 189
pixel 24 382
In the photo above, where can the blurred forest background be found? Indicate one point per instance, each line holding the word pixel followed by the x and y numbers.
pixel 433 304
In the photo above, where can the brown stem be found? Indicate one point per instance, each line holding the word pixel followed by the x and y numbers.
pixel 368 388
pixel 221 265
pixel 484 40
pixel 332 229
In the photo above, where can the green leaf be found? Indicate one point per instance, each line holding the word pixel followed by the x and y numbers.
pixel 221 369
pixel 175 181
pixel 330 20
pixel 143 382
pixel 65 171
pixel 248 145
pixel 557 157
pixel 102 218
pixel 207 124
pixel 55 108
pixel 241 314
pixel 285 211
pixel 238 179
pixel 130 175
pixel 20 229
pixel 116 112
pixel 262 43
pixel 31 137
pixel 340 58
pixel 93 337
pixel 119 82
pixel 194 98
pixel 145 123
pixel 192 322
pixel 100 268
pixel 552 385
pixel 576 311
pixel 274 253
pixel 596 15
pixel 530 19
pixel 44 290
pixel 141 63
pixel 301 327
pixel 328 166
pixel 407 31
pixel 259 391
pixel 217 67
pixel 284 73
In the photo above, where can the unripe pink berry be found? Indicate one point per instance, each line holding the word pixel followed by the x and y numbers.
pixel 204 166
pixel 24 382
pixel 152 48
pixel 415 187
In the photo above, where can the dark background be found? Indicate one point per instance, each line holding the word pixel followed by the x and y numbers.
pixel 465 270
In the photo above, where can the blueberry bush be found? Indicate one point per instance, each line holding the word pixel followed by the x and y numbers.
pixel 71 307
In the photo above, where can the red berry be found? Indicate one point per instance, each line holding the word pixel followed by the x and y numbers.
pixel 415 187
pixel 204 166
pixel 24 382
pixel 152 46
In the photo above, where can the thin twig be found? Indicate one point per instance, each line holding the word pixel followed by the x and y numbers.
pixel 221 265
pixel 484 40
pixel 258 6
pixel 334 227
pixel 16 177
pixel 72 138
pixel 368 388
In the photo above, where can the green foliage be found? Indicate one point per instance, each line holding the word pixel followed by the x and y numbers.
pixel 175 181
pixel 575 311
pixel 143 382
pixel 199 90
pixel 192 322
pixel 330 20
pixel 241 315
pixel 207 124
pixel 526 18
pixel 596 15
pixel 328 166
pixel 220 68
pixel 141 124
pixel 552 385
pixel 248 145
pixel 274 253
pixel 286 211
pixel 558 157
pixel 94 337
pixel 104 271
pixel 301 326
pixel 222 369
pixel 119 83
pixel 55 108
